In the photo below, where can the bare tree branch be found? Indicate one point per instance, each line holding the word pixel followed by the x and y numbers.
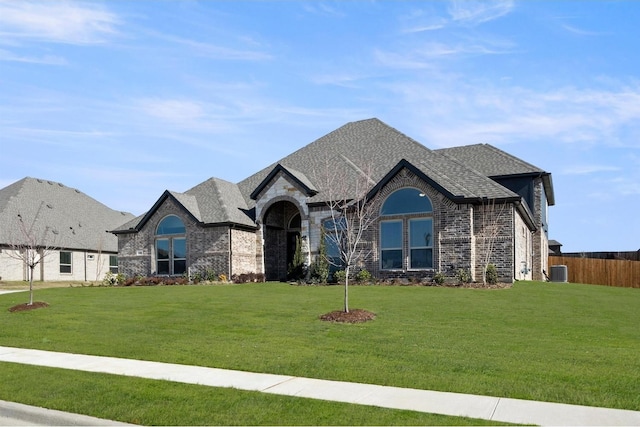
pixel 492 226
pixel 345 191
pixel 32 244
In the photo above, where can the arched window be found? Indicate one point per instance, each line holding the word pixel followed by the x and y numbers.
pixel 406 201
pixel 171 246
pixel 406 209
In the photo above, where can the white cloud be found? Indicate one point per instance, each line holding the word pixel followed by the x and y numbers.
pixel 322 8
pixel 475 12
pixel 453 111
pixel 6 55
pixel 588 169
pixel 216 51
pixel 579 31
pixel 174 110
pixel 56 22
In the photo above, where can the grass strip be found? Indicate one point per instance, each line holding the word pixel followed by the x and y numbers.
pixel 151 402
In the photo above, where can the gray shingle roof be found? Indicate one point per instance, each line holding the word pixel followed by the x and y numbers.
pixel 79 221
pixel 214 201
pixel 462 173
pixel 220 201
pixel 378 147
pixel 495 163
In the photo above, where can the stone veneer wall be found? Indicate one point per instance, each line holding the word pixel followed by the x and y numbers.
pixel 281 189
pixel 243 252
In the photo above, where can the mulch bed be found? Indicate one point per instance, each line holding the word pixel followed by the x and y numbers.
pixel 27 306
pixel 353 316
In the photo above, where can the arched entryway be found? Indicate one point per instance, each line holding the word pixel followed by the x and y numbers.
pixel 282 225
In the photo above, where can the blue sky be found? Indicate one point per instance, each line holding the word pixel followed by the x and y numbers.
pixel 123 100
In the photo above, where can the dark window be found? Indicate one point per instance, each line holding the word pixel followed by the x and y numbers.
pixel 406 201
pixel 113 264
pixel 411 210
pixel 391 244
pixel 65 262
pixel 171 248
pixel 421 243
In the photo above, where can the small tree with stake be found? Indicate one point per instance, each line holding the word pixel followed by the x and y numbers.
pixel 32 245
pixel 352 213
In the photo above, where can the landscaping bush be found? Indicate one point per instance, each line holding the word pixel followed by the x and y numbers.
pixel 110 279
pixel 340 276
pixel 464 276
pixel 363 276
pixel 491 274
pixel 438 278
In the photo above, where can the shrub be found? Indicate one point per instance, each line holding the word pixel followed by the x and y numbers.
pixel 363 276
pixel 210 275
pixel 298 267
pixel 319 270
pixel 320 267
pixel 491 274
pixel 463 275
pixel 340 276
pixel 438 278
pixel 110 279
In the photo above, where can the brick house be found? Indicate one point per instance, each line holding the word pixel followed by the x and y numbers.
pixel 434 205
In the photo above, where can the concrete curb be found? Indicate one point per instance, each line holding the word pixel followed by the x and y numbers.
pixel 33 415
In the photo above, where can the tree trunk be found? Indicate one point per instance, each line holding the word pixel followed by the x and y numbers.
pixel 31 268
pixel 346 290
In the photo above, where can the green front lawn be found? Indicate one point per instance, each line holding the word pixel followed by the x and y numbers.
pixel 554 342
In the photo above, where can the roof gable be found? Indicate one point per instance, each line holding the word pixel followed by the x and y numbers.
pixel 378 147
pixel 496 163
pixel 477 186
pixel 220 201
pixel 297 178
pixel 214 201
pixel 180 199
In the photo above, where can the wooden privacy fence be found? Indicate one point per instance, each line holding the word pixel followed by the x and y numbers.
pixel 608 272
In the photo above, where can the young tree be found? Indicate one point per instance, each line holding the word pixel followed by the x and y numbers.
pixel 345 191
pixel 492 224
pixel 32 245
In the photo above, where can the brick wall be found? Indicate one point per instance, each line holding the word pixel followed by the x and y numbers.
pixel 207 247
pixel 498 248
pixel 458 231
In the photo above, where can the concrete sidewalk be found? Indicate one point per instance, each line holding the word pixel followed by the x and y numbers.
pixel 456 404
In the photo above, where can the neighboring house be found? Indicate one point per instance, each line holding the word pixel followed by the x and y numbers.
pixel 433 204
pixel 555 247
pixel 68 227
